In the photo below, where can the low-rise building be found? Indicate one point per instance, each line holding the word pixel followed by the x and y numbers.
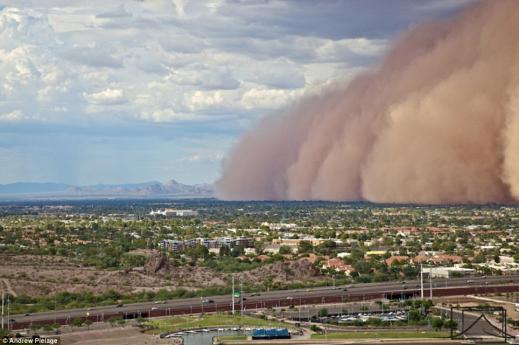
pixel 338 265
pixel 294 242
pixel 505 259
pixel 504 267
pixel 172 245
pixel 375 253
pixel 209 243
pixel 170 212
pixel 272 249
pixel 279 226
pixel 250 251
pixel 438 259
pixel 397 259
pixel 449 272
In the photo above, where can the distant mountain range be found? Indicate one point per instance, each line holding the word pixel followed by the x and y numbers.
pixel 152 189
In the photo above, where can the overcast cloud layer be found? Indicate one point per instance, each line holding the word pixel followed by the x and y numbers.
pixel 160 89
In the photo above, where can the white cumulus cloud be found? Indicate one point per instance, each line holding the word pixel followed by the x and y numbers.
pixel 13 116
pixel 107 97
pixel 180 60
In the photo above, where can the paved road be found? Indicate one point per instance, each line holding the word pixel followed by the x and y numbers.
pixel 356 292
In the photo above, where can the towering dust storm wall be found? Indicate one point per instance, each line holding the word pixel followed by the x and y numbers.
pixel 436 122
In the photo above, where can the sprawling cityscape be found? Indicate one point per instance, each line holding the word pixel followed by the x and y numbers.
pixel 165 266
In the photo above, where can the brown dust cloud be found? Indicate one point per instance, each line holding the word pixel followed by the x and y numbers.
pixel 437 122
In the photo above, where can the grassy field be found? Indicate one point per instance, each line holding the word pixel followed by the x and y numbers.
pixel 386 335
pixel 176 323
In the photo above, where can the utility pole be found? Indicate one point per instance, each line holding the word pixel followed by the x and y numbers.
pixel 8 316
pixel 430 284
pixel 2 309
pixel 233 294
pixel 241 297
pixel 421 281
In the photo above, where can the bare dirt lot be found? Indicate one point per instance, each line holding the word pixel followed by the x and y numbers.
pixel 112 336
pixel 41 275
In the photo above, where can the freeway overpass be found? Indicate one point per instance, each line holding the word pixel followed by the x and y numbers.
pixel 284 298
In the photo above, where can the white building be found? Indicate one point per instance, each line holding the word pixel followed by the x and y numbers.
pixel 171 212
pixel 272 249
pixel 449 272
pixel 504 259
pixel 279 226
pixel 250 251
pixel 506 266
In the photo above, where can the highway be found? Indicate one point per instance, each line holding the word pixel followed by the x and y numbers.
pixel 338 294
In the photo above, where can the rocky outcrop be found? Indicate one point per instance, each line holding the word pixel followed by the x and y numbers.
pixel 286 271
pixel 156 262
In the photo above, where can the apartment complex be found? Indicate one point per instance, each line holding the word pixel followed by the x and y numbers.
pixel 209 243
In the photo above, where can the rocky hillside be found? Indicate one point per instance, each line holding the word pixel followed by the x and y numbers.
pixel 279 272
pixel 283 272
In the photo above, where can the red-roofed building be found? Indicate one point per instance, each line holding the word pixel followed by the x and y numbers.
pixel 338 265
pixel 397 258
pixel 445 259
pixel 420 259
pixel 438 259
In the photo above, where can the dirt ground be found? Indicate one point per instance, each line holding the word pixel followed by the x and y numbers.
pixel 112 336
pixel 42 275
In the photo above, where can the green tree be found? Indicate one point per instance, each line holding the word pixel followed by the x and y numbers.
pixel 414 315
pixel 305 247
pixel 285 250
pixel 78 322
pixel 450 324
pixel 237 251
pixel 315 328
pixel 225 251
pixel 198 252
pixel 326 247
pixel 437 323
pixel 130 260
